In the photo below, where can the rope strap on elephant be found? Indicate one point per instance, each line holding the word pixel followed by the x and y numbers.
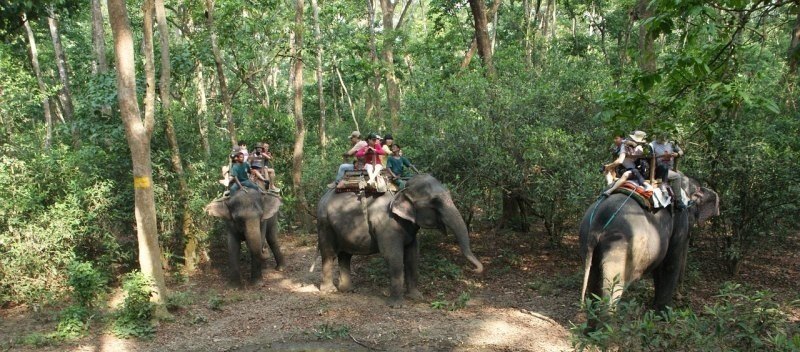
pixel 611 218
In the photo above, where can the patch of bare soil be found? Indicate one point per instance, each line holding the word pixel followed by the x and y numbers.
pixel 526 300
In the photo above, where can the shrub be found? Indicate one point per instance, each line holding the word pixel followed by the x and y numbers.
pixel 742 320
pixel 134 318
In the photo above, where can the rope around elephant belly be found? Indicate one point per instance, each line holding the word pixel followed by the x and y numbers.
pixel 618 209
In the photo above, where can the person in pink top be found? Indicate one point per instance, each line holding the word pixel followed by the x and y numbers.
pixel 371 154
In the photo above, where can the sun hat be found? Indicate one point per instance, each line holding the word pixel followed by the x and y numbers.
pixel 388 136
pixel 638 136
pixel 355 134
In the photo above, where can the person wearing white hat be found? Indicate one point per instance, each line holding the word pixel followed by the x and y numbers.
pixel 666 152
pixel 628 155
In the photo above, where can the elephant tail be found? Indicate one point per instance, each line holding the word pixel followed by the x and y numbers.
pixel 588 250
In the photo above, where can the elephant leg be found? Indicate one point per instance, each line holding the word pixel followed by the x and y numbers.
pixel 272 241
pixel 667 275
pixel 234 246
pixel 411 269
pixel 392 251
pixel 613 266
pixel 325 245
pixel 345 283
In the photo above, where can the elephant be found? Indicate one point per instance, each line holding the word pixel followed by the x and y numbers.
pixel 251 217
pixel 620 242
pixel 352 223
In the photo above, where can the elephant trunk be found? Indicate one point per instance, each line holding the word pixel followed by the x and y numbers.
pixel 455 223
pixel 254 238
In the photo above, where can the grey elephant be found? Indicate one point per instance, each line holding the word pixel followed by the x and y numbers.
pixel 386 223
pixel 620 242
pixel 251 217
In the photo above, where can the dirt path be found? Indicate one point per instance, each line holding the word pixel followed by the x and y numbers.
pixel 506 309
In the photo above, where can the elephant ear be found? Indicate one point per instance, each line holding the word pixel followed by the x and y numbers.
pixel 707 203
pixel 218 209
pixel 402 206
pixel 271 203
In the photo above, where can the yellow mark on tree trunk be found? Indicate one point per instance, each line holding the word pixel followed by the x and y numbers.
pixel 141 182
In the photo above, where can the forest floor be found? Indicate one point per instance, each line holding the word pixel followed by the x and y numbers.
pixel 526 300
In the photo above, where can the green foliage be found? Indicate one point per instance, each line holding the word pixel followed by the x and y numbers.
pixel 215 302
pixel 134 318
pixel 179 300
pixel 331 331
pixel 74 322
pixel 742 320
pixel 459 302
pixel 86 283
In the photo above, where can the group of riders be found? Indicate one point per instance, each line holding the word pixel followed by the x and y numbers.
pixel 631 163
pixel 372 155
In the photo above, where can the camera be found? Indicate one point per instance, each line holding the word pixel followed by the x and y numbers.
pixel 258 153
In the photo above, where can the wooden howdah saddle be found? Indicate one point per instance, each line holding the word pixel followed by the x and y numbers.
pixel 356 181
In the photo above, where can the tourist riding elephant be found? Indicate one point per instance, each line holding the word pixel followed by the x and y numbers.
pixel 621 241
pixel 251 217
pixel 349 223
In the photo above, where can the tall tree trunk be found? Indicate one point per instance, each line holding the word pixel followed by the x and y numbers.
pixel 202 109
pixel 48 117
pixel 190 249
pixel 478 8
pixel 65 94
pixel 100 63
pixel 323 138
pixel 392 87
pixel 373 95
pixel 138 133
pixel 794 45
pixel 647 55
pixel 299 125
pixel 349 101
pixel 227 110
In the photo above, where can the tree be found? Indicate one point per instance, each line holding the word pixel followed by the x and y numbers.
pixel 48 117
pixel 138 132
pixel 227 110
pixel 480 22
pixel 323 139
pixel 100 64
pixel 65 94
pixel 299 124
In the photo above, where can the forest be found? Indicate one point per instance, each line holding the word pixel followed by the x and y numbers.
pixel 117 116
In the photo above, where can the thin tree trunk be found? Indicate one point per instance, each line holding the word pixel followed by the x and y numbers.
pixel 373 95
pixel 392 88
pixel 65 94
pixel 292 53
pixel 478 8
pixel 528 41
pixel 202 109
pixel 349 101
pixel 227 110
pixel 190 249
pixel 138 133
pixel 100 64
pixel 323 138
pixel 473 47
pixel 299 124
pixel 48 117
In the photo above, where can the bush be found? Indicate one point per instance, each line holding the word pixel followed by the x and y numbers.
pixel 743 320
pixel 134 318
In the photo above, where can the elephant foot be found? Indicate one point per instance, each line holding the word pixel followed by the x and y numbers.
pixel 234 283
pixel 414 295
pixel 327 288
pixel 257 282
pixel 395 302
pixel 280 268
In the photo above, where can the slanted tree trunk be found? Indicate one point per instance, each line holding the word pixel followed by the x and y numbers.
pixel 299 125
pixel 202 109
pixel 100 63
pixel 227 110
pixel 323 138
pixel 474 44
pixel 65 94
pixel 190 250
pixel 478 8
pixel 48 117
pixel 138 133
